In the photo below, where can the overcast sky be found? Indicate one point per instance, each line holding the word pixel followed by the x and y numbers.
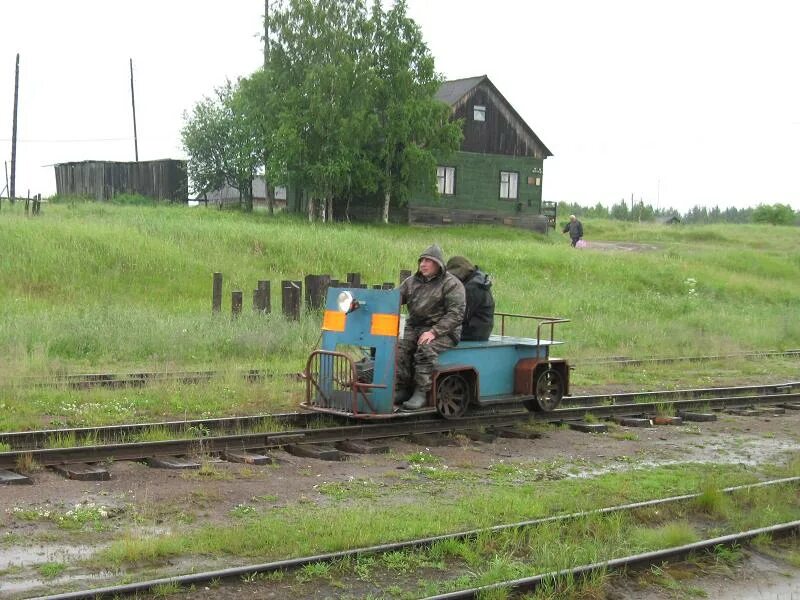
pixel 677 102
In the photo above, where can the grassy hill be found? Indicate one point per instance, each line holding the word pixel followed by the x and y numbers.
pixel 89 285
pixel 109 287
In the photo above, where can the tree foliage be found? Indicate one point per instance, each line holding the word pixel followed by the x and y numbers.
pixel 221 144
pixel 413 127
pixel 777 214
pixel 345 108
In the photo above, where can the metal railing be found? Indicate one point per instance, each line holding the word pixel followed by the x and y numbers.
pixel 543 321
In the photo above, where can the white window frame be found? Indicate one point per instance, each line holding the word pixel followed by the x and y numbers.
pixel 446 180
pixel 478 113
pixel 509 185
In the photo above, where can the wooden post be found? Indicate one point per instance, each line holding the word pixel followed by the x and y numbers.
pixel 236 303
pixel 261 302
pixel 354 279
pixel 265 301
pixel 216 295
pixel 387 285
pixel 316 290
pixel 291 292
pixel 405 274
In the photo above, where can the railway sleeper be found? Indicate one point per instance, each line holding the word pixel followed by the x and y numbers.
pixel 82 471
pixel 171 462
pixel 585 427
pixel 248 458
pixel 633 421
pixel 697 417
pixel 361 447
pixel 13 478
pixel 318 451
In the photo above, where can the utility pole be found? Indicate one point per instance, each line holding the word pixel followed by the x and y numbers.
pixel 269 190
pixel 11 190
pixel 266 34
pixel 133 106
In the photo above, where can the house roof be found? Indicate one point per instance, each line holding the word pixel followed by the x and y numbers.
pixel 454 91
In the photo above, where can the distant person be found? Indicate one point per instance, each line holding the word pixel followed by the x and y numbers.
pixel 435 302
pixel 574 228
pixel 479 315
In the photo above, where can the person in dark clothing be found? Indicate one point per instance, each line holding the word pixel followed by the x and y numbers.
pixel 479 314
pixel 435 302
pixel 574 228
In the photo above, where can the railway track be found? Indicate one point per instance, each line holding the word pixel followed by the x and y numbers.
pixel 142 378
pixel 77 452
pixel 518 585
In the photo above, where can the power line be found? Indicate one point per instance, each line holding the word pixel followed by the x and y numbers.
pixel 75 141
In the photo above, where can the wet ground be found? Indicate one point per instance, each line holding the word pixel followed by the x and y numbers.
pixel 30 546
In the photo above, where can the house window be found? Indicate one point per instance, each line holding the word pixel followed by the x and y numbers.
pixel 446 180
pixel 508 185
pixel 478 113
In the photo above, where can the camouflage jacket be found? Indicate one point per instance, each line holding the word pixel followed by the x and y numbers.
pixel 437 304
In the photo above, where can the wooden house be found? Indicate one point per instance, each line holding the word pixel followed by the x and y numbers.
pixel 496 175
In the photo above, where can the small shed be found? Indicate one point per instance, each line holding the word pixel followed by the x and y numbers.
pixel 102 180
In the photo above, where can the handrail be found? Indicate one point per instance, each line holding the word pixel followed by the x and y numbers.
pixel 542 321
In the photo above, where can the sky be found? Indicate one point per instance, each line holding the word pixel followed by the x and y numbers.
pixel 677 103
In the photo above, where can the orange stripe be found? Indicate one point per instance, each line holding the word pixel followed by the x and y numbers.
pixel 385 324
pixel 333 320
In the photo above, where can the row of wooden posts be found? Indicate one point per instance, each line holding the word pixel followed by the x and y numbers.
pixel 316 289
pixel 33 205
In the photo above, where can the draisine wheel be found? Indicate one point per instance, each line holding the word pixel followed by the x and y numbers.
pixel 549 390
pixel 453 395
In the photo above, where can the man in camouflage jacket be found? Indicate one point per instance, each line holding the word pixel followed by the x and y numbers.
pixel 435 301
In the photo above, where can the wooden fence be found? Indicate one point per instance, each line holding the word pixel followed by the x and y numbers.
pixel 292 297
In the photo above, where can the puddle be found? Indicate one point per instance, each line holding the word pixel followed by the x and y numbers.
pixel 22 556
pixel 748 451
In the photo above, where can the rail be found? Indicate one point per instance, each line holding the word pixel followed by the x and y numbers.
pixel 551 321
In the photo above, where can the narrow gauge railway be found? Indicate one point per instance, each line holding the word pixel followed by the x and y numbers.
pixel 199 428
pixel 85 381
pixel 80 462
pixel 609 563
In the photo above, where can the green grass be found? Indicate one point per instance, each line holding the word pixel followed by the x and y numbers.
pixel 89 287
pixel 51 569
pixel 450 506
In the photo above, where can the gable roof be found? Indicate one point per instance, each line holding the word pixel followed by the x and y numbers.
pixel 455 91
pixel 452 91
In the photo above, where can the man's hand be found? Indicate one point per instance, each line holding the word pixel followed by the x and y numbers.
pixel 427 337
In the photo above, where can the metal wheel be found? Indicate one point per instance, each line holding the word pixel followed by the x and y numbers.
pixel 549 391
pixel 453 395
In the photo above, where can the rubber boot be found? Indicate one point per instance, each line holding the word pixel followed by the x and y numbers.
pixel 417 401
pixel 400 396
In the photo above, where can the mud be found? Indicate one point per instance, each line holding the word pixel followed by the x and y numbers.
pixel 176 499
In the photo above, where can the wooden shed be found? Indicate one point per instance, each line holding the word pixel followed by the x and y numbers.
pixel 496 175
pixel 102 180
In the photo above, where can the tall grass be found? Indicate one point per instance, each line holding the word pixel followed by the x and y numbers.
pixel 98 285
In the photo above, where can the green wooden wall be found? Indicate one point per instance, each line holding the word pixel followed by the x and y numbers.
pixel 477 184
